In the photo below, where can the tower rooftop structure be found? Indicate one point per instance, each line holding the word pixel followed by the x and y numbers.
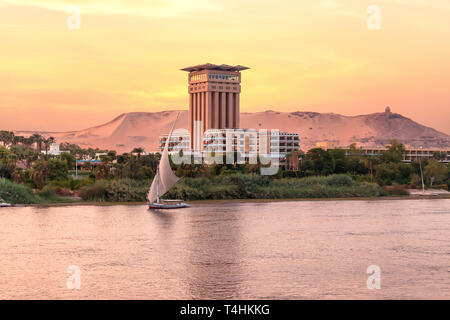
pixel 210 66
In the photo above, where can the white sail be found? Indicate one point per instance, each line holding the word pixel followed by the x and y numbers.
pixel 153 193
pixel 164 178
pixel 166 175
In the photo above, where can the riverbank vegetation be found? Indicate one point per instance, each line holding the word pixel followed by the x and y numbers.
pixel 15 193
pixel 29 174
pixel 254 186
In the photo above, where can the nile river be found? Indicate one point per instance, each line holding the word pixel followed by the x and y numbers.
pixel 228 250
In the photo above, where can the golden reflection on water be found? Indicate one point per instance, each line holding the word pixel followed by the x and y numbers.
pixel 223 250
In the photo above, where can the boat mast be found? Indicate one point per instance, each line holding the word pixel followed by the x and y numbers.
pixel 421 175
pixel 157 185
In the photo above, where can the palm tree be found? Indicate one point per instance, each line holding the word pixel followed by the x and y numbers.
pixel 139 151
pixel 17 139
pixel 47 143
pixel 38 139
pixel 292 160
pixel 3 137
pixel 40 173
pixel 112 154
pixel 27 142
pixel 30 156
pixel 7 137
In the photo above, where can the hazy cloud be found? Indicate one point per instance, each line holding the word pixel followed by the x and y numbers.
pixel 333 7
pixel 425 3
pixel 150 8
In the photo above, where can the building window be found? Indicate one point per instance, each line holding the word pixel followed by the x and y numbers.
pixel 226 77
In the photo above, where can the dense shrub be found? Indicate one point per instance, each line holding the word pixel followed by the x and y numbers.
pixel 96 192
pixel 52 192
pixel 15 193
pixel 47 192
pixel 71 183
pixel 127 190
pixel 123 190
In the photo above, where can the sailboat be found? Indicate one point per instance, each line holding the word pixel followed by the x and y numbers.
pixel 163 181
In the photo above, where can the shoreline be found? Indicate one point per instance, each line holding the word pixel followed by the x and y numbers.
pixel 94 203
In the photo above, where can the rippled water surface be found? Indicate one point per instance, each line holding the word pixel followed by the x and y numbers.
pixel 277 250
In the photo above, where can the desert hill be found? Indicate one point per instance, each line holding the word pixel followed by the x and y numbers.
pixel 142 129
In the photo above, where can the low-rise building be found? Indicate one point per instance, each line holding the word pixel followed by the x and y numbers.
pixel 411 154
pixel 98 155
pixel 247 142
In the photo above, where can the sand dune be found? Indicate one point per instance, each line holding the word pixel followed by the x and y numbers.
pixel 142 129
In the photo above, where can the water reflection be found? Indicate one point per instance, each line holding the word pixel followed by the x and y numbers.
pixel 228 250
pixel 165 218
pixel 215 252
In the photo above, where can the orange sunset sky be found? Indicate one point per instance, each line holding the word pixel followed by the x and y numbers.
pixel 307 55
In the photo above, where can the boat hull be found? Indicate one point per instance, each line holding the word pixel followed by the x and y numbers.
pixel 166 206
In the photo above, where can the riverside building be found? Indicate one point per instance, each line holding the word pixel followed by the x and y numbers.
pixel 214 99
pixel 214 119
pixel 411 154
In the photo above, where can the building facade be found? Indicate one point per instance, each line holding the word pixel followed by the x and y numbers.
pixel 413 154
pixel 214 99
pixel 178 142
pixel 410 155
pixel 248 143
pixel 54 150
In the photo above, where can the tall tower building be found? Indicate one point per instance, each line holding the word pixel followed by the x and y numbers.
pixel 214 92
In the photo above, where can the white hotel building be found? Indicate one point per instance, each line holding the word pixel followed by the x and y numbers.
pixel 247 143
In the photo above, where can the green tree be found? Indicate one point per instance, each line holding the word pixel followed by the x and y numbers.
pixel 139 152
pixel 7 137
pixel 394 152
pixel 438 155
pixel 38 140
pixel 321 161
pixel 448 176
pixel 17 140
pixel 340 160
pixel 112 154
pixel 47 142
pixel 30 157
pixel 49 170
pixel 145 173
pixel 392 172
pixel 7 163
pixel 57 169
pixel 68 158
pixel 435 172
pixel 39 173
